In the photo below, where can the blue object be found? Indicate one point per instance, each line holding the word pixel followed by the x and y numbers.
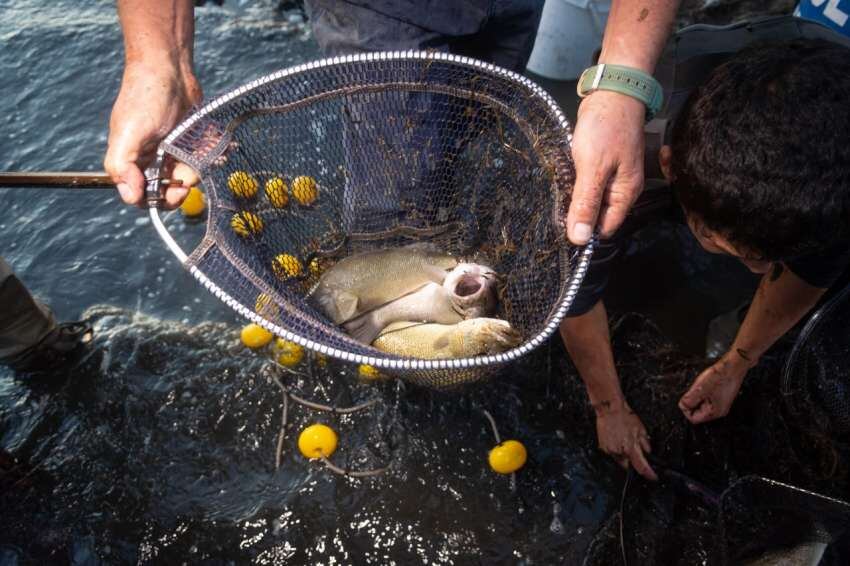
pixel 832 13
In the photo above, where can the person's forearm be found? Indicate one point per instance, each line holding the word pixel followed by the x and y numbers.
pixel 779 303
pixel 158 33
pixel 637 31
pixel 588 341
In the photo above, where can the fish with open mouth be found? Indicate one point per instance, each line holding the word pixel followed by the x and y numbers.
pixel 468 291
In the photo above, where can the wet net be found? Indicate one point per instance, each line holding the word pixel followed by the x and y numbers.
pixel 764 485
pixel 816 385
pixel 319 162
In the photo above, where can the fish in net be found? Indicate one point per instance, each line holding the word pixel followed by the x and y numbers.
pixel 313 164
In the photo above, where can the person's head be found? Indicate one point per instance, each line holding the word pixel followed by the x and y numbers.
pixel 760 157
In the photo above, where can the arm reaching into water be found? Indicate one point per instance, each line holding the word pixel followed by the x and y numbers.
pixel 780 302
pixel 157 89
pixel 620 432
pixel 607 145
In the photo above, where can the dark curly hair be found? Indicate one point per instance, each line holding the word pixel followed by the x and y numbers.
pixel 761 152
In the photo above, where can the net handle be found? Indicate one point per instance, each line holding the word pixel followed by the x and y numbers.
pixel 166 236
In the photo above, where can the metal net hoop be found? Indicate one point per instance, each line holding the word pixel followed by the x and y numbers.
pixel 350 154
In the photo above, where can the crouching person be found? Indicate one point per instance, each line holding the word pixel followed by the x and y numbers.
pixel 756 157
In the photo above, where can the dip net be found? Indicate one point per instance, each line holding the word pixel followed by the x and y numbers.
pixel 315 163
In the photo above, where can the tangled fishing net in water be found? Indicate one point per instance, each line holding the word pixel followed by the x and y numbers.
pixel 769 482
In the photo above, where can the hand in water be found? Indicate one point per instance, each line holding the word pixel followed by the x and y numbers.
pixel 622 435
pixel 150 104
pixel 714 390
pixel 607 148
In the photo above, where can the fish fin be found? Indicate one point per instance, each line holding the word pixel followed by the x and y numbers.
pixel 346 306
pixel 364 329
pixel 506 337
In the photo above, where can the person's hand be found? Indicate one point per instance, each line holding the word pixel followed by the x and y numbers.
pixel 714 390
pixel 151 102
pixel 607 149
pixel 621 435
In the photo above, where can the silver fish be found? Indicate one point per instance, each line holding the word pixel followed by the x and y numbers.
pixel 364 282
pixel 468 291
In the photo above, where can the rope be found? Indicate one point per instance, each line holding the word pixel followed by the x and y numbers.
pixel 492 424
pixel 282 433
pixel 353 474
pixel 629 475
pixel 330 409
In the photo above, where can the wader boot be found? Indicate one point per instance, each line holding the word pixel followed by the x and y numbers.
pixel 30 338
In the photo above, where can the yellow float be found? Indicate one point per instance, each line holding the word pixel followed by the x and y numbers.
pixel 317 440
pixel 242 184
pixel 277 192
pixel 194 204
pixel 246 223
pixel 286 266
pixel 507 457
pixel 367 372
pixel 305 190
pixel 288 353
pixel 255 336
pixel 265 306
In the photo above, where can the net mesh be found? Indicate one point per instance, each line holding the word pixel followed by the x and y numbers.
pixel 816 377
pixel 316 163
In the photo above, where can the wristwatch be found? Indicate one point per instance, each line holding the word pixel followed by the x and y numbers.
pixel 625 80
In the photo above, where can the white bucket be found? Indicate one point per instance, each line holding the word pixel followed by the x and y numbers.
pixel 570 32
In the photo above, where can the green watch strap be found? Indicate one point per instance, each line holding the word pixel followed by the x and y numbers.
pixel 625 80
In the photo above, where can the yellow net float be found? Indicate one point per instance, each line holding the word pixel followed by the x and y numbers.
pixel 288 353
pixel 277 192
pixel 305 190
pixel 242 184
pixel 317 440
pixel 246 223
pixel 265 306
pixel 194 204
pixel 287 266
pixel 507 457
pixel 255 336
pixel 367 372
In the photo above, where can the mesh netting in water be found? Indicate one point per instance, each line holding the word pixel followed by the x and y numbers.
pixel 329 159
pixel 816 377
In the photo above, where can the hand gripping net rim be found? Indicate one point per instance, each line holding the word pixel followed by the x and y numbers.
pixel 402 365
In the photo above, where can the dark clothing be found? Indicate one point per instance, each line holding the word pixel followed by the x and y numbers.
pixel 498 31
pixel 24 322
pixel 501 32
pixel 688 60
